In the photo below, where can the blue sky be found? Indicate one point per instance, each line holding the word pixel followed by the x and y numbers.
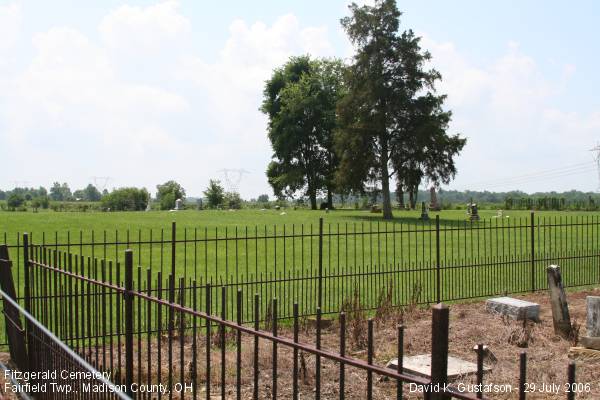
pixel 145 91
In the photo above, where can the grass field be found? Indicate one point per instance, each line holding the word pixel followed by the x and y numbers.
pixel 274 253
pixel 277 250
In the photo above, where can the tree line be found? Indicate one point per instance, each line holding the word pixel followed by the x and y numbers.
pixel 359 127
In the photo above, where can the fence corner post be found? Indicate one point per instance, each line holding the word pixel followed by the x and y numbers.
pixel 440 314
pixel 128 299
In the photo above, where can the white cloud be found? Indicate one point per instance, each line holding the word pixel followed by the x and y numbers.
pixel 10 25
pixel 146 29
pixel 234 85
pixel 83 108
pixel 506 110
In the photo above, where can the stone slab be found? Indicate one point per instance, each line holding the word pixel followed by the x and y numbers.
pixel 593 316
pixel 590 342
pixel 514 308
pixel 421 365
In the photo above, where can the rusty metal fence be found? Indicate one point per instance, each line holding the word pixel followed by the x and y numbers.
pixel 155 333
pixel 43 366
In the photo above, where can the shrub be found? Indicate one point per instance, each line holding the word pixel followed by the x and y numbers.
pixel 126 199
pixel 15 201
pixel 233 200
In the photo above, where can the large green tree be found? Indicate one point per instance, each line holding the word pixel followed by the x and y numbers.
pixel 60 192
pixel 168 193
pixel 300 100
pixel 392 125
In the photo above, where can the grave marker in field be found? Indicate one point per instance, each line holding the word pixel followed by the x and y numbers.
pixel 433 202
pixel 424 212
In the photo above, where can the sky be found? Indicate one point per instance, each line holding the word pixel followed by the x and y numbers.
pixel 147 91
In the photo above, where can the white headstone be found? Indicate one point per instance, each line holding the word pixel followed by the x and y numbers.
pixel 178 204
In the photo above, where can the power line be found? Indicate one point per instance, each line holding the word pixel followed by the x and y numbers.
pixel 538 175
pixel 596 151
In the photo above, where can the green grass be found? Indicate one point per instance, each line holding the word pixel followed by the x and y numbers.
pixel 478 259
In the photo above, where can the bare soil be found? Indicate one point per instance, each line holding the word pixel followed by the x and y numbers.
pixel 470 324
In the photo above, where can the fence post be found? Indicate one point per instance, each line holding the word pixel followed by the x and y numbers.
pixel 173 258
pixel 320 288
pixel 532 252
pixel 440 314
pixel 438 295
pixel 128 299
pixel 172 276
pixel 27 293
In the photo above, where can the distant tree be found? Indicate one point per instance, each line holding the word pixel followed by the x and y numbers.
pixel 300 100
pixel 126 199
pixel 215 194
pixel 91 193
pixel 168 193
pixel 60 192
pixel 14 201
pixel 390 119
pixel 263 198
pixel 2 195
pixel 79 195
pixel 233 201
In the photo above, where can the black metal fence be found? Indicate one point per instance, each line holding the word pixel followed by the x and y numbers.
pixel 176 347
pixel 322 265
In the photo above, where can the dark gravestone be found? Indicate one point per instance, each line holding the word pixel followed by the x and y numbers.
pixel 424 212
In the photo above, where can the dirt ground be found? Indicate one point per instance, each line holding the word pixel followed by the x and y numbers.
pixel 470 324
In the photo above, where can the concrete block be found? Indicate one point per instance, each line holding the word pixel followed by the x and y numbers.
pixel 514 308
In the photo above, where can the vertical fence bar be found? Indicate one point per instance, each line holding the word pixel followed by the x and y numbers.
pixel 571 381
pixel 439 349
pixel 274 345
pixel 173 261
pixel 128 299
pixel 295 367
pixel 343 354
pixel 238 365
pixel 522 374
pixel 532 251
pixel 400 366
pixel 320 294
pixel 26 271
pixel 370 359
pixel 480 370
pixel 438 285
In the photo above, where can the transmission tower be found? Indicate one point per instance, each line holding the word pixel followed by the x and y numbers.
pixel 232 178
pixel 101 182
pixel 596 152
pixel 22 184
